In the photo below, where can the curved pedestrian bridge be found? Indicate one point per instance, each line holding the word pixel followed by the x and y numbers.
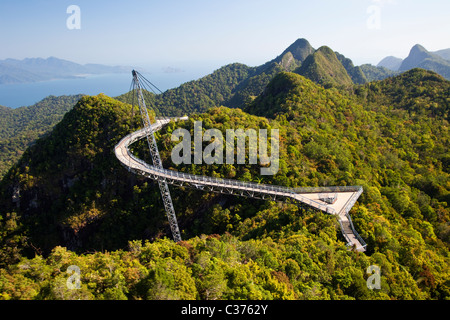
pixel 332 200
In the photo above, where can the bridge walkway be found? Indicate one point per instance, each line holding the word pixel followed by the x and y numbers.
pixel 309 197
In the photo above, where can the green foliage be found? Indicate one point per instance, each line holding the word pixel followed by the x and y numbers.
pixel 324 68
pixel 391 137
pixel 356 73
pixel 214 267
pixel 373 73
pixel 20 127
pixel 70 179
pixel 199 95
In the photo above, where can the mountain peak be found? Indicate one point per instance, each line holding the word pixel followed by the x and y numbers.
pixel 300 49
pixel 326 50
pixel 419 57
pixel 324 67
pixel 418 48
pixel 391 63
pixel 417 54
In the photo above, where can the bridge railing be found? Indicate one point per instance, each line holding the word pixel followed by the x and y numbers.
pixel 228 183
pixel 328 189
pixel 248 185
pixel 352 200
pixel 343 230
pixel 361 241
pixel 355 233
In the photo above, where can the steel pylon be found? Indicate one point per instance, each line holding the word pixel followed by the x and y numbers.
pixel 154 152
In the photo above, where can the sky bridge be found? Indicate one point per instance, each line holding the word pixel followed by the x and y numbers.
pixel 332 200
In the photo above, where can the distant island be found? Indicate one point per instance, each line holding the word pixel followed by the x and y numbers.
pixel 14 71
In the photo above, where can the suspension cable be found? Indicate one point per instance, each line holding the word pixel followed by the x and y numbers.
pixel 147 87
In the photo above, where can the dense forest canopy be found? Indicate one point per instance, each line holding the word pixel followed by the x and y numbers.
pixel 389 136
pixel 20 127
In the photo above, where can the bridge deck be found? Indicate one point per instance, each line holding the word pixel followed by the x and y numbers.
pixel 341 207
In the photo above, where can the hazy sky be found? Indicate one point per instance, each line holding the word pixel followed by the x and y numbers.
pixel 175 32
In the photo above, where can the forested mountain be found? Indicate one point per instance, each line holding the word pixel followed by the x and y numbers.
pixel 356 73
pixel 373 73
pixel 420 92
pixel 20 127
pixel 391 137
pixel 391 63
pixel 324 68
pixel 231 85
pixel 444 53
pixel 419 57
pixel 236 84
pixel 299 50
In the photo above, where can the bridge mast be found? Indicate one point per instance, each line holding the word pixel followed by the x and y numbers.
pixel 165 192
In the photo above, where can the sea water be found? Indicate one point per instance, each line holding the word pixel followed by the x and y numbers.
pixel 26 94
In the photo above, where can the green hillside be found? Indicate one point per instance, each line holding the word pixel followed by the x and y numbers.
pixel 423 93
pixel 68 190
pixel 299 50
pixel 199 95
pixel 324 68
pixel 20 127
pixel 373 73
pixel 419 57
pixel 356 73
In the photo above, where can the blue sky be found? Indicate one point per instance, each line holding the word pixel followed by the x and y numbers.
pixel 175 32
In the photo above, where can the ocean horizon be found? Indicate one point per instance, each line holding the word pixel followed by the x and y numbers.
pixel 27 94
